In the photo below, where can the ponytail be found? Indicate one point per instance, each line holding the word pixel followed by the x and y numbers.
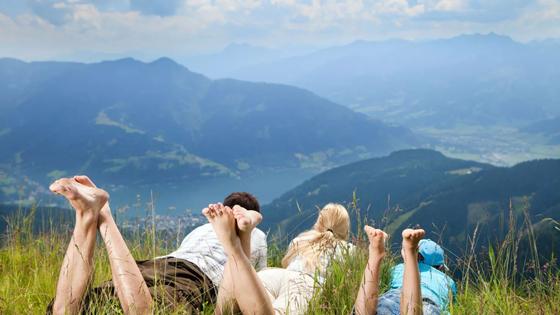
pixel 331 228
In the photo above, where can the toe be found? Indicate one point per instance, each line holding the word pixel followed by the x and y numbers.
pixel 56 187
pixel 84 180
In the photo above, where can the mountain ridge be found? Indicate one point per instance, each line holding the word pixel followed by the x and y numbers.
pixel 450 198
pixel 476 79
pixel 132 123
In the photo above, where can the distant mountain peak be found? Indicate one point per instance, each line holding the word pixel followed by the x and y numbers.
pixel 121 61
pixel 165 61
pixel 11 60
pixel 417 153
pixel 484 38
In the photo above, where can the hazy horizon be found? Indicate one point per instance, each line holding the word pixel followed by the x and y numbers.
pixel 81 29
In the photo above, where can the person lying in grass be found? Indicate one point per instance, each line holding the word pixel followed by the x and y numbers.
pixel 418 286
pixel 186 278
pixel 285 290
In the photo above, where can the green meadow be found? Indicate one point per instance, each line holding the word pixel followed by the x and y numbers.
pixel 494 282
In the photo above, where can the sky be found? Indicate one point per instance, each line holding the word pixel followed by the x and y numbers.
pixel 102 29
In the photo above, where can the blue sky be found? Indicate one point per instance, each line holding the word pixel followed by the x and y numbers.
pixel 85 29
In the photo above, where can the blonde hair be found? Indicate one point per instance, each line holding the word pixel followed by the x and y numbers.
pixel 331 228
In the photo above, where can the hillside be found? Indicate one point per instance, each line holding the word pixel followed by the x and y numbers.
pixel 158 126
pixel 448 197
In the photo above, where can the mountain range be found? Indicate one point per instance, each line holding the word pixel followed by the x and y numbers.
pixel 136 127
pixel 471 79
pixel 449 198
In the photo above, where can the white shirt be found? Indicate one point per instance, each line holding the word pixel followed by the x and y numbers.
pixel 202 248
pixel 338 253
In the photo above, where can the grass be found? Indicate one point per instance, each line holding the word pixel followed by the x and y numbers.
pixel 494 283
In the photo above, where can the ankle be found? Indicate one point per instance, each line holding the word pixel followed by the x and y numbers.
pixel 375 258
pixel 86 219
pixel 244 235
pixel 410 254
pixel 376 255
pixel 235 249
pixel 105 219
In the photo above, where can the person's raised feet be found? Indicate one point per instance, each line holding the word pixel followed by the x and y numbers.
pixel 377 240
pixel 84 180
pixel 246 220
pixel 223 223
pixel 85 199
pixel 411 238
pixel 105 211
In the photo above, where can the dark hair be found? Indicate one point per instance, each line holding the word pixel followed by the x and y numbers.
pixel 244 199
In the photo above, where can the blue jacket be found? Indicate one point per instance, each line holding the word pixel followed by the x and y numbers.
pixel 435 285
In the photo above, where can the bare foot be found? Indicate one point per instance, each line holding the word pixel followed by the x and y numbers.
pixel 105 210
pixel 377 240
pixel 411 238
pixel 247 220
pixel 83 198
pixel 223 222
pixel 84 180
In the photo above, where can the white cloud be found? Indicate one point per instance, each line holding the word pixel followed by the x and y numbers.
pixel 398 7
pixel 451 5
pixel 47 28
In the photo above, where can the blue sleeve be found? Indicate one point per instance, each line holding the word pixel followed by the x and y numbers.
pixel 454 289
pixel 396 276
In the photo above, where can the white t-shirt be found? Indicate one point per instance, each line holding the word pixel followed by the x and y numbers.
pixel 298 263
pixel 203 248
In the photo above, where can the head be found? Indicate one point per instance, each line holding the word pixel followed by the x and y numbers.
pixel 333 218
pixel 430 253
pixel 331 228
pixel 243 199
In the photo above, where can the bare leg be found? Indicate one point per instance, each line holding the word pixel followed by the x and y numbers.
pixel 411 296
pixel 246 221
pixel 366 301
pixel 77 266
pixel 249 291
pixel 131 288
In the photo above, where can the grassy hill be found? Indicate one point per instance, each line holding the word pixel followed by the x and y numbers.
pixel 450 198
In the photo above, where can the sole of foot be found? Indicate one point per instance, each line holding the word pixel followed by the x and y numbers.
pixel 83 198
pixel 411 238
pixel 246 220
pixel 377 239
pixel 222 221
